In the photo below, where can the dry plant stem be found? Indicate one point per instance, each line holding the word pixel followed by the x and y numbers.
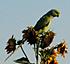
pixel 22 48
pixel 37 50
pixel 24 53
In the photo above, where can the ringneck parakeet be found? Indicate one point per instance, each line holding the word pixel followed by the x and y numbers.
pixel 45 21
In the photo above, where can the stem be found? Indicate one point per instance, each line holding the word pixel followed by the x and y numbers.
pixel 34 47
pixel 23 52
pixel 37 53
pixel 22 42
pixel 22 48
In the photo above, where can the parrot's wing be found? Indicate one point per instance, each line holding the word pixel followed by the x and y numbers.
pixel 41 23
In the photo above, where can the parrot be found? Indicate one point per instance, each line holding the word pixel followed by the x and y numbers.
pixel 43 24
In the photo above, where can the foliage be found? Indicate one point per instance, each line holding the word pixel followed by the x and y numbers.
pixel 43 40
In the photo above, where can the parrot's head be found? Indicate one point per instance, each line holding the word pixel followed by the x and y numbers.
pixel 54 13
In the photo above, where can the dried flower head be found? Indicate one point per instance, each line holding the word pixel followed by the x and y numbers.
pixel 30 35
pixel 11 45
pixel 62 48
pixel 47 39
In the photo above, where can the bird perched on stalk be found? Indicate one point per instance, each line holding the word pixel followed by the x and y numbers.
pixel 44 22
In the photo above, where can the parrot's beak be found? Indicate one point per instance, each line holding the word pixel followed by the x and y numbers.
pixel 58 15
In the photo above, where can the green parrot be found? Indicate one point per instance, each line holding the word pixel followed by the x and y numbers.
pixel 44 22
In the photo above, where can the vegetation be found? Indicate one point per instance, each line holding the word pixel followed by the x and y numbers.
pixel 41 43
